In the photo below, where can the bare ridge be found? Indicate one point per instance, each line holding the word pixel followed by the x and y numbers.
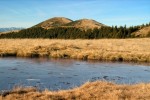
pixel 85 24
pixel 54 22
pixel 65 22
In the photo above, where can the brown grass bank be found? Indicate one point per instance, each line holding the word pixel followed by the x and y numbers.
pixel 101 49
pixel 89 91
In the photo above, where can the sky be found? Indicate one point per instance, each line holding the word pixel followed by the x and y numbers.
pixel 27 13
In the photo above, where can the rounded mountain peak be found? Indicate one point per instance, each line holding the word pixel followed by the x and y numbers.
pixel 86 24
pixel 54 22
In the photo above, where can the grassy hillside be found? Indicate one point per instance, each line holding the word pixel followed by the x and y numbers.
pixel 53 22
pixel 143 32
pixel 65 22
pixel 64 28
pixel 85 24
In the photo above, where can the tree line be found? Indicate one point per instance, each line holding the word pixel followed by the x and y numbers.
pixel 75 33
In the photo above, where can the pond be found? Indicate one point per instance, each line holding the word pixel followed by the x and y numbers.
pixel 56 74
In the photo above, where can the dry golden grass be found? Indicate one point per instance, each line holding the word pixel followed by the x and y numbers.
pixel 142 32
pixel 85 24
pixel 54 22
pixel 102 49
pixel 89 91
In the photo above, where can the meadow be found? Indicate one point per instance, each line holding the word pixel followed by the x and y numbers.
pixel 132 50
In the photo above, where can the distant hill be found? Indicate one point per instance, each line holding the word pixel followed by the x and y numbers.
pixel 10 29
pixel 145 31
pixel 54 22
pixel 64 28
pixel 85 24
pixel 65 22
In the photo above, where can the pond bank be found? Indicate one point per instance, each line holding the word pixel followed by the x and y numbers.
pixel 132 50
pixel 90 90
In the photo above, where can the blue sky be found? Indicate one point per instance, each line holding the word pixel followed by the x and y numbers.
pixel 26 13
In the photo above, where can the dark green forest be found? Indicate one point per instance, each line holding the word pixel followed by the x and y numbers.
pixel 75 33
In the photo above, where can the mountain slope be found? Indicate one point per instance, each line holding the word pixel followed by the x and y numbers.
pixel 142 32
pixel 54 22
pixel 85 24
pixel 65 22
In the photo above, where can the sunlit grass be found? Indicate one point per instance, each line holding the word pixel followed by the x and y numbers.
pixel 89 91
pixel 101 49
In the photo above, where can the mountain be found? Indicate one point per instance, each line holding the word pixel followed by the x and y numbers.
pixel 142 32
pixel 10 29
pixel 65 22
pixel 85 24
pixel 54 22
pixel 63 28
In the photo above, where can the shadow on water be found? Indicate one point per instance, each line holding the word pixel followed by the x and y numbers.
pixel 58 74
